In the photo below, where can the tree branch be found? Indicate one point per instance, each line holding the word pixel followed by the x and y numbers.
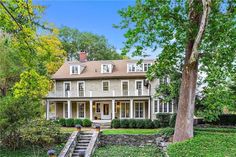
pixel 206 11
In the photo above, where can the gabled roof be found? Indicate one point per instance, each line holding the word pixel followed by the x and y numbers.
pixel 92 70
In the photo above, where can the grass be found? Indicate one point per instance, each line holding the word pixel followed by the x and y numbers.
pixel 208 142
pixel 127 151
pixel 130 131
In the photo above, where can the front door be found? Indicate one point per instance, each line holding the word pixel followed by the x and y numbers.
pixel 106 114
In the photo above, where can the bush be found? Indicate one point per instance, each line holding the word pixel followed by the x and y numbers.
pixel 115 123
pixel 164 119
pixel 78 122
pixel 124 123
pixel 140 123
pixel 132 123
pixel 172 120
pixel 168 132
pixel 156 123
pixel 87 123
pixel 62 121
pixel 226 119
pixel 148 124
pixel 40 132
pixel 70 122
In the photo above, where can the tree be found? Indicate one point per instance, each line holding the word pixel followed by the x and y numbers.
pixel 202 32
pixel 95 45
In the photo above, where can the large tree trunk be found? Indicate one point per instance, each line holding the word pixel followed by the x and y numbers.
pixel 184 121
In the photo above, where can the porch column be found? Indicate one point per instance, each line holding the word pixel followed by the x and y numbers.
pixel 47 109
pixel 149 108
pixel 131 108
pixel 69 109
pixel 91 109
pixel 113 109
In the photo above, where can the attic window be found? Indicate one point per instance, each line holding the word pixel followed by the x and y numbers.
pixel 106 68
pixel 74 69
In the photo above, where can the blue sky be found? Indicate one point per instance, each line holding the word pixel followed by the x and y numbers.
pixel 96 16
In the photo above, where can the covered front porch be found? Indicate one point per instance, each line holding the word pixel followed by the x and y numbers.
pixel 99 109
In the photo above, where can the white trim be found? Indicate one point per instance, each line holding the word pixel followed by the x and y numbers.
pixel 108 85
pixel 64 87
pixel 136 94
pixel 78 66
pixel 78 88
pixel 55 109
pixel 78 110
pixel 109 68
pixel 158 106
pixel 96 107
pixel 144 115
pixel 122 94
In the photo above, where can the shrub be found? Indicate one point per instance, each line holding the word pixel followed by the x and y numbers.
pixel 115 123
pixel 226 119
pixel 168 132
pixel 70 122
pixel 124 123
pixel 40 132
pixel 78 122
pixel 156 123
pixel 62 121
pixel 140 123
pixel 172 120
pixel 148 124
pixel 164 119
pixel 87 123
pixel 132 123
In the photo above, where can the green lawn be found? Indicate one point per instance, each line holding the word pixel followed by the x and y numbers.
pixel 208 142
pixel 130 131
pixel 126 151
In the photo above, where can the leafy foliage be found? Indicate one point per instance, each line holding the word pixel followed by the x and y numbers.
pixel 87 122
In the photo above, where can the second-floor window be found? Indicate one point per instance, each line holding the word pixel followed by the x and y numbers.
pixel 105 86
pixel 139 87
pixel 67 89
pixel 125 88
pixel 81 88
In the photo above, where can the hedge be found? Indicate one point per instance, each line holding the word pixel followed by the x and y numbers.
pixel 226 119
pixel 70 122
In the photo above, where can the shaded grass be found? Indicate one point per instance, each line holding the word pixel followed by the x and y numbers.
pixel 208 142
pixel 130 131
pixel 127 151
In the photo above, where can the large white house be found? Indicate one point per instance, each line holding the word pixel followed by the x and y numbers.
pixel 105 90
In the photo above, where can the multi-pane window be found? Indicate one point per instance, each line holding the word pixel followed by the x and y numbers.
pixel 146 66
pixel 65 109
pixel 139 68
pixel 67 89
pixel 81 89
pixel 139 109
pixel 133 67
pixel 163 107
pixel 74 69
pixel 125 88
pixel 125 110
pixel 81 109
pixel 105 86
pixel 139 88
pixel 106 68
pixel 98 109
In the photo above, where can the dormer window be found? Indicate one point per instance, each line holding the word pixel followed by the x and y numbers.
pixel 133 67
pixel 106 68
pixel 74 69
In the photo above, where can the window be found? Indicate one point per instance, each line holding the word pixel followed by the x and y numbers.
pixel 125 110
pixel 81 88
pixel 98 109
pixel 106 68
pixel 105 86
pixel 139 87
pixel 74 69
pixel 125 88
pixel 81 109
pixel 163 107
pixel 67 89
pixel 65 109
pixel 146 66
pixel 131 67
pixel 139 68
pixel 139 109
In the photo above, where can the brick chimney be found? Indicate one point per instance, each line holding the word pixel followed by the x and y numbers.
pixel 82 56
